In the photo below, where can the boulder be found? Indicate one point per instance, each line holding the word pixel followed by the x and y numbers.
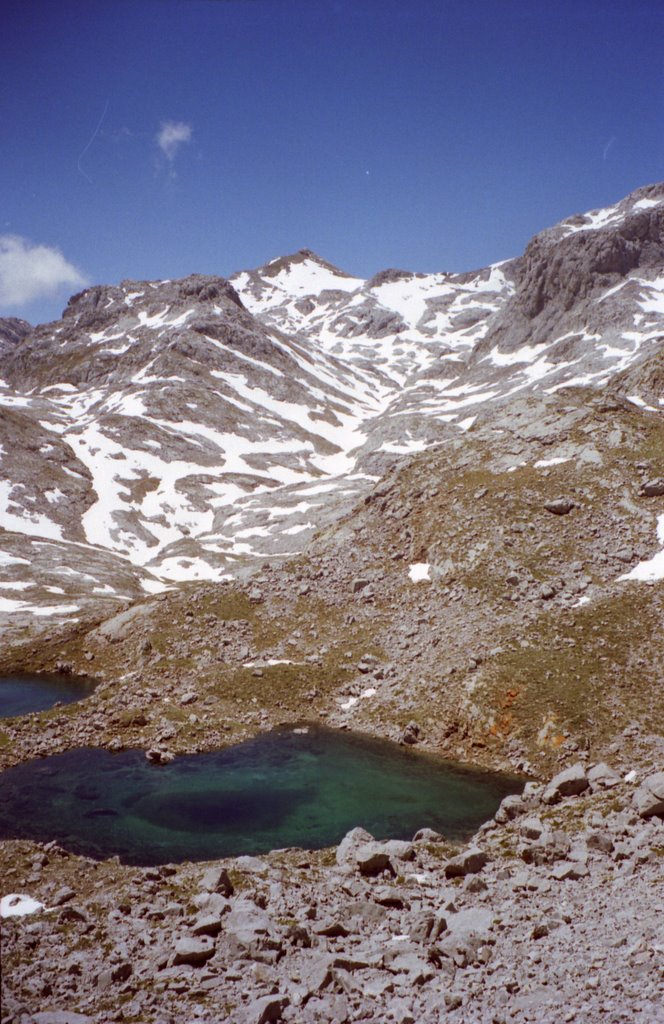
pixel 469 930
pixel 510 807
pixel 331 929
pixel 266 1009
pixel 365 914
pixel 120 626
pixel 62 896
pixel 211 903
pixel 426 927
pixel 554 845
pixel 207 924
pixel 194 951
pixel 599 841
pixel 559 507
pixel 469 862
pixel 652 488
pixel 246 922
pixel 428 835
pixel 217 880
pixel 649 797
pixel 398 849
pixel 416 969
pixel 600 775
pixel 316 972
pixel 531 827
pixel 156 756
pixel 569 871
pixel 476 922
pixel 357 837
pixel 251 865
pixel 371 860
pixel 569 782
pixel 359 851
pixel 411 734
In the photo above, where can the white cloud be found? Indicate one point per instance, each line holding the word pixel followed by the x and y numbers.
pixel 30 271
pixel 171 136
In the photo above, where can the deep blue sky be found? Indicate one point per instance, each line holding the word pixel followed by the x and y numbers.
pixel 417 134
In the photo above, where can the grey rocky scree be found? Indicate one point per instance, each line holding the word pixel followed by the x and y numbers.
pixel 551 913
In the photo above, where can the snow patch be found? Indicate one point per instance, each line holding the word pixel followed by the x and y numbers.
pixel 18 905
pixel 651 570
pixel 419 571
pixel 556 461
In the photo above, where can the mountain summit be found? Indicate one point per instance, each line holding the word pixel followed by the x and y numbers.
pixel 165 431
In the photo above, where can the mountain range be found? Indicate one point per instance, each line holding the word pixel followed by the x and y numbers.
pixel 172 431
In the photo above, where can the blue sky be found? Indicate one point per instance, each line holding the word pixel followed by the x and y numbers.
pixel 154 138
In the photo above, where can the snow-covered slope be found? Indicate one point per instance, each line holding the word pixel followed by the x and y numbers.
pixel 396 324
pixel 168 431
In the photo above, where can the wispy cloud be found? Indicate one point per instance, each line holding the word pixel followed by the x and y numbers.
pixel 91 140
pixel 29 271
pixel 607 147
pixel 172 135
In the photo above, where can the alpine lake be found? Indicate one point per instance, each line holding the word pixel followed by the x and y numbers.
pixel 301 786
pixel 23 694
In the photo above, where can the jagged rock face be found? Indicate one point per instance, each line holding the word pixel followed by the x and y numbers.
pixel 582 274
pixel 184 427
pixel 12 330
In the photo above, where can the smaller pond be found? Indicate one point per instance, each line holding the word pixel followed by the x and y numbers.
pixel 21 694
pixel 283 788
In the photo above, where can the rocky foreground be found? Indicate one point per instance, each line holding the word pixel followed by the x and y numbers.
pixel 554 912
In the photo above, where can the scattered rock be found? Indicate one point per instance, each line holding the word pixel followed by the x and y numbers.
pixel 266 1009
pixel 157 756
pixel 411 734
pixel 194 951
pixel 569 871
pixel 217 879
pixel 569 782
pixel 58 1017
pixel 469 862
pixel 602 775
pixel 649 797
pixel 510 808
pixel 560 507
pixel 531 827
pixel 599 841
pixel 652 488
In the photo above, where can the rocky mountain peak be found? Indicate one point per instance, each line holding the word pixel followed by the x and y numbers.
pixel 203 422
pixel 12 330
pixel 286 264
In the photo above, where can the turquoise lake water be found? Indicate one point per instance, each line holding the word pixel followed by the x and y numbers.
pixel 281 789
